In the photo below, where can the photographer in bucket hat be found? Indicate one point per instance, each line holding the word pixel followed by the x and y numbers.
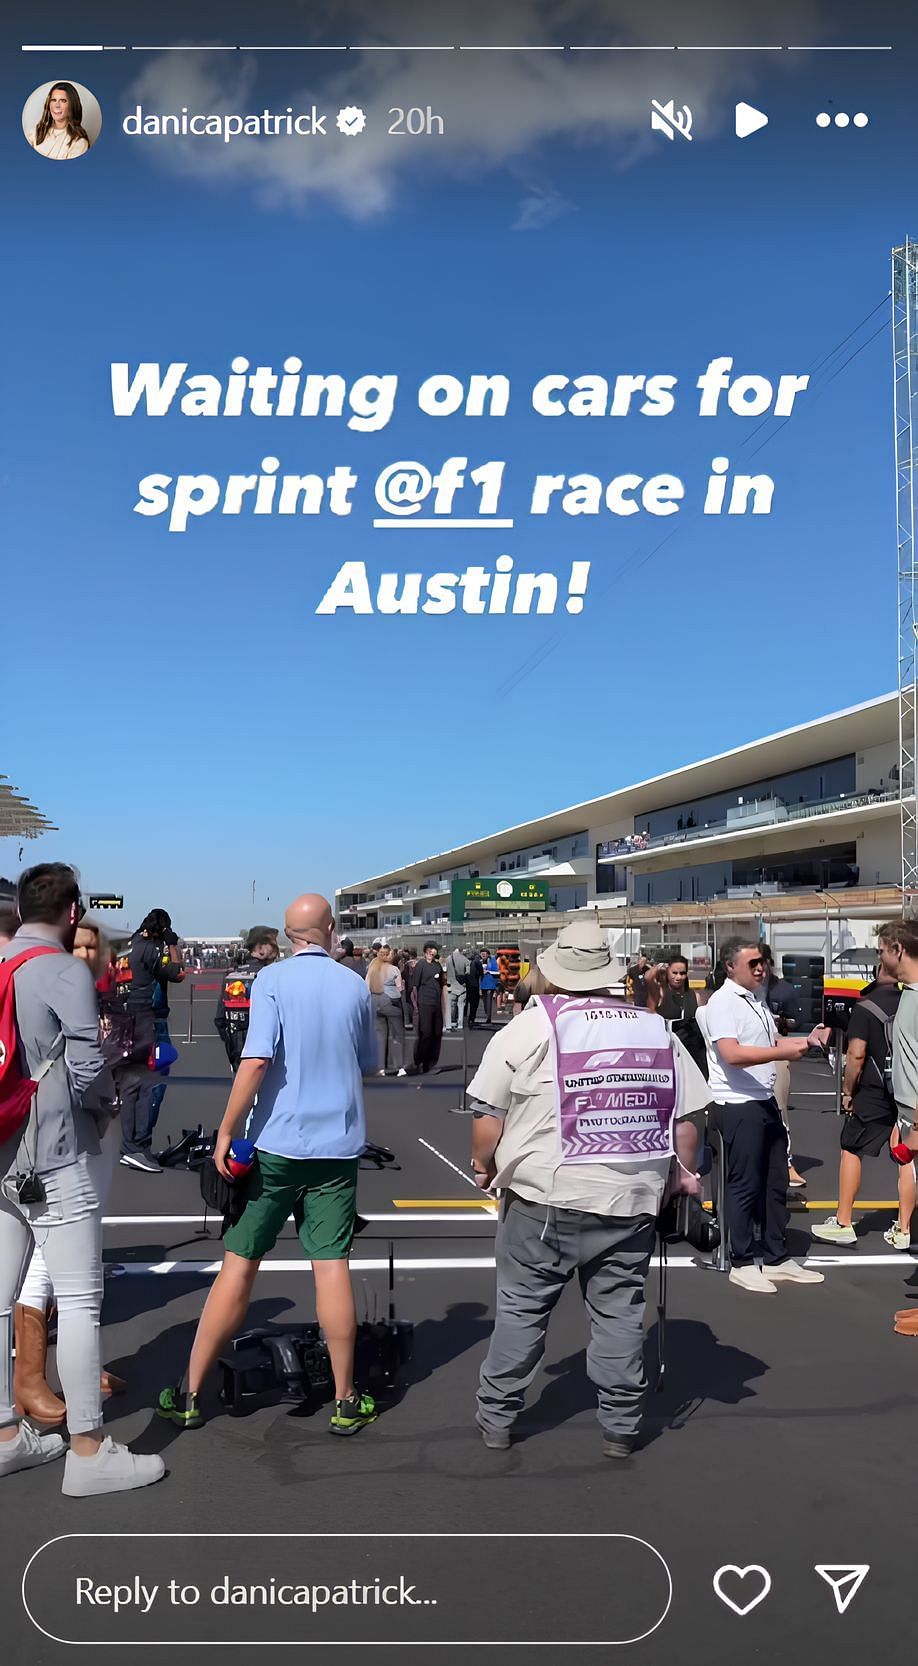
pixel 581 1106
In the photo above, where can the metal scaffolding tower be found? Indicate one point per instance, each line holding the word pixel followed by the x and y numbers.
pixel 905 381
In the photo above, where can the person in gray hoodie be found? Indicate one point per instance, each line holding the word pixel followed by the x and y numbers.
pixel 49 1188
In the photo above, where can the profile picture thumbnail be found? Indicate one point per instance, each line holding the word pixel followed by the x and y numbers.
pixel 61 120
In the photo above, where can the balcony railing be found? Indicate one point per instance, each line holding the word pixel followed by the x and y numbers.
pixel 757 813
pixel 383 899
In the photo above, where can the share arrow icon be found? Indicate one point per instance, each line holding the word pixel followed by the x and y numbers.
pixel 845 1580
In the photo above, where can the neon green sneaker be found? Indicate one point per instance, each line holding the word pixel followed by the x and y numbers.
pixel 350 1416
pixel 180 1409
pixel 831 1232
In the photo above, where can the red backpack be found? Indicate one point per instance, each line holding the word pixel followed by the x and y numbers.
pixel 16 1091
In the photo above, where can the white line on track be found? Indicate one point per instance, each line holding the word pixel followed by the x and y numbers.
pixel 402 1264
pixel 465 1217
pixel 463 1175
pixel 853 1262
pixel 483 1263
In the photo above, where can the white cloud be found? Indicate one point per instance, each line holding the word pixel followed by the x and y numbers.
pixel 539 208
pixel 502 110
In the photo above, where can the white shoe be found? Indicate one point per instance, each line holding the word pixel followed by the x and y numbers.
pixel 113 1469
pixel 380 1073
pixel 401 1073
pixel 752 1278
pixel 29 1449
pixel 829 1232
pixel 794 1272
pixel 897 1238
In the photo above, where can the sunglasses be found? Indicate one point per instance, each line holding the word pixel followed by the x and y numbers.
pixel 758 961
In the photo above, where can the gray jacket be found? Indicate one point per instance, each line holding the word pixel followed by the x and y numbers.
pixel 56 997
pixel 457 967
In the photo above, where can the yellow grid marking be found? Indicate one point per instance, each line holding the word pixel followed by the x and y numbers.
pixel 832 1203
pixel 444 1203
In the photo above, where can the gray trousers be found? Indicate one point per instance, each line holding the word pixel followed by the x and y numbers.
pixel 538 1250
pixel 456 1000
pixel 67 1228
pixel 390 1032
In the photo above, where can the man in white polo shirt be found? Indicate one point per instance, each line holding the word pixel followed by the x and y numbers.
pixel 743 1050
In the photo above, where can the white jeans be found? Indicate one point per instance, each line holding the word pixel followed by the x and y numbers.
pixel 67 1228
pixel 37 1288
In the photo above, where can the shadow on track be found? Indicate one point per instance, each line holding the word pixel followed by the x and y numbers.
pixel 163 1359
pixel 437 1342
pixel 698 1369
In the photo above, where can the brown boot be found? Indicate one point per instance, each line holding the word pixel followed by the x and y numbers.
pixel 33 1396
pixel 906 1322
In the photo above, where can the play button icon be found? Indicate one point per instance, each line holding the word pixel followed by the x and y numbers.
pixel 749 120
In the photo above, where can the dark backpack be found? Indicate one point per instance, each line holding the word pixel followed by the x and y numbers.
pixel 887 1020
pixel 225 1197
pixel 127 1033
pixel 117 1033
pixel 122 979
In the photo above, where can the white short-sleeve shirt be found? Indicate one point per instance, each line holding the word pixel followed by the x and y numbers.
pixel 736 1012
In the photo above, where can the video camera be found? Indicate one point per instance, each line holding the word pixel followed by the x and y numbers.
pixel 683 1220
pixel 295 1360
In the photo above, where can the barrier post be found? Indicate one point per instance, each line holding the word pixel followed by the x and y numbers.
pixel 839 1069
pixel 720 1258
pixel 190 1035
pixel 661 1319
pixel 462 1108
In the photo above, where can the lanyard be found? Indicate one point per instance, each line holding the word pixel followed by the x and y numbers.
pixel 763 1013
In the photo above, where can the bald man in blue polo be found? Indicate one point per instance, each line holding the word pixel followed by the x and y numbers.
pixel 299 1083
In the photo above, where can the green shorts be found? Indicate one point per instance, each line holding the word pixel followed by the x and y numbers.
pixel 320 1194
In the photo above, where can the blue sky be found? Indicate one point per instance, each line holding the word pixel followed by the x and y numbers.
pixel 180 710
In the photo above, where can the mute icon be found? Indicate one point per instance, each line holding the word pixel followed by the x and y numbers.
pixel 665 118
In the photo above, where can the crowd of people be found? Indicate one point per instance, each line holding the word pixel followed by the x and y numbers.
pixel 427 996
pixel 880 1091
pixel 589 1109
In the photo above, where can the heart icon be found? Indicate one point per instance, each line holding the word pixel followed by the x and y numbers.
pixel 760 1587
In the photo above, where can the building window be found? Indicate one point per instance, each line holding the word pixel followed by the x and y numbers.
pixel 611 877
pixel 830 867
pixel 817 783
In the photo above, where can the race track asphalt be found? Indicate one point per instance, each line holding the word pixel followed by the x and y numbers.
pixel 777 1443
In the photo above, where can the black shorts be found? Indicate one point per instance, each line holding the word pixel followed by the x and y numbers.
pixel 865 1139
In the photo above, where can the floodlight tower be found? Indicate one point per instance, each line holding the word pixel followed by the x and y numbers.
pixel 905 384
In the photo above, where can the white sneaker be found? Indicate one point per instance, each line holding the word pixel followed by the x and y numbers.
pixel 113 1469
pixel 830 1232
pixel 401 1073
pixel 29 1450
pixel 752 1278
pixel 897 1238
pixel 794 1272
